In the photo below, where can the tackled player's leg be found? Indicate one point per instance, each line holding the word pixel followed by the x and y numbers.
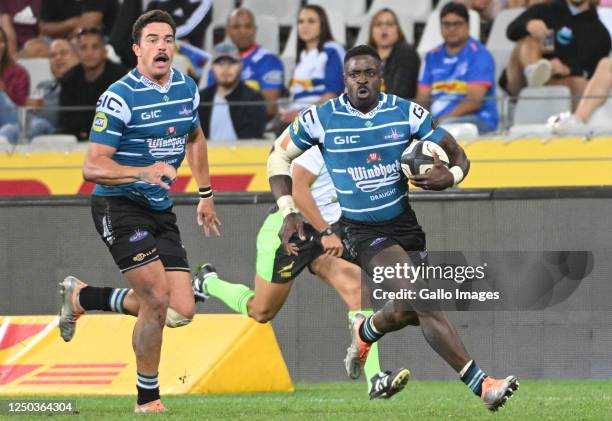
pixel 345 278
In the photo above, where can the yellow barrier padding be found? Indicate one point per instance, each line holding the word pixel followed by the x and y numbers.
pixel 495 164
pixel 539 163
pixel 213 354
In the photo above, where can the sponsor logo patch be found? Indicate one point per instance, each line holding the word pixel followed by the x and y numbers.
pixel 394 135
pixel 370 179
pixel 138 235
pixel 100 122
pixel 141 256
pixel 165 147
pixel 185 111
pixel 296 125
pixel 285 271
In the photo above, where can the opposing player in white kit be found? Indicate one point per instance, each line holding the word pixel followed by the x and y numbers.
pixel 321 252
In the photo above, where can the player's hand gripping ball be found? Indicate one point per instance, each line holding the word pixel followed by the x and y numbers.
pixel 417 158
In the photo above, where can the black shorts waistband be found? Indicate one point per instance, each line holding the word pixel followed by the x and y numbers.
pixel 408 212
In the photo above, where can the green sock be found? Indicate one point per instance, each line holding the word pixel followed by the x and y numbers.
pixel 372 364
pixel 235 296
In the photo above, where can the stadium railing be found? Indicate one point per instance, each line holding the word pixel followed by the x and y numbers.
pixel 532 110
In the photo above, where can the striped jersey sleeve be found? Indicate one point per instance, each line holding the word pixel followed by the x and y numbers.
pixel 113 113
pixel 306 130
pixel 422 125
pixel 195 122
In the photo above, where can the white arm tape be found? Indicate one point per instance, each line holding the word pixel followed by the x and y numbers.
pixel 457 174
pixel 279 161
pixel 286 205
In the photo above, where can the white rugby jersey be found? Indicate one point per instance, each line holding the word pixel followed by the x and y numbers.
pixel 322 189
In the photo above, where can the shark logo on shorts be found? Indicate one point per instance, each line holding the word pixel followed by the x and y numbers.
pixel 377 241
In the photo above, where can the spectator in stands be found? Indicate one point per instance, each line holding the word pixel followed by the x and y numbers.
pixel 14 84
pixel 228 119
pixel 558 43
pixel 61 18
pixel 497 5
pixel 318 74
pixel 458 78
pixel 400 61
pixel 191 17
pixel 486 9
pixel 489 9
pixel 597 91
pixel 44 120
pixel 261 69
pixel 19 19
pixel 84 83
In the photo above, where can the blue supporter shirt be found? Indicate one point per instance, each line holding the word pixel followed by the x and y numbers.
pixel 261 70
pixel 449 77
pixel 316 73
pixel 146 123
pixel 362 151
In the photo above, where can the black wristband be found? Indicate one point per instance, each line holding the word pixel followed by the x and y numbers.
pixel 205 192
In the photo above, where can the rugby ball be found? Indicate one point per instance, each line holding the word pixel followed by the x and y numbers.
pixel 417 158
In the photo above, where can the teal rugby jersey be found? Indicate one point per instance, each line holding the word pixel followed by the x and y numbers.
pixel 146 123
pixel 362 151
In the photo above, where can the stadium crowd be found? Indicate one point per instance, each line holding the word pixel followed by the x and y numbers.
pixel 248 89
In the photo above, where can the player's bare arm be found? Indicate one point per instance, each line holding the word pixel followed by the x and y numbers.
pixel 440 177
pixel 279 163
pixel 197 156
pixel 100 168
pixel 302 180
pixel 423 97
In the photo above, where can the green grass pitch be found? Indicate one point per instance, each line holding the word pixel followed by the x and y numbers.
pixel 421 400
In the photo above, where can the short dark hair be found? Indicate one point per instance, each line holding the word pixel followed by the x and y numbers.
pixel 150 17
pixel 458 9
pixel 361 50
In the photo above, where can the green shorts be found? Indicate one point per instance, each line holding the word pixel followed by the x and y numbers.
pixel 273 263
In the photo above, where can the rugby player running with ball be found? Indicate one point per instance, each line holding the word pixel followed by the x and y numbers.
pixel 361 129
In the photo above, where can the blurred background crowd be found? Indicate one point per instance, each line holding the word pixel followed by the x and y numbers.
pixel 493 67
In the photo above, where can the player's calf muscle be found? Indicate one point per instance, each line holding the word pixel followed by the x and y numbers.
pixel 344 277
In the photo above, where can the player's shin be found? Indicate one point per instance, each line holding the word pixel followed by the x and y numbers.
pixel 104 299
pixel 235 296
